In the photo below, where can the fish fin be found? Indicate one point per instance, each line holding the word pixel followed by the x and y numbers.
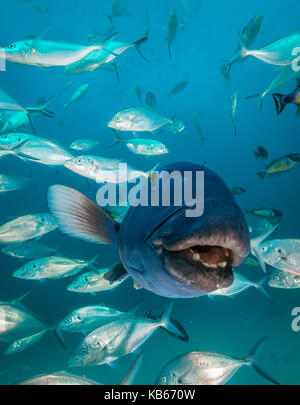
pixel 225 70
pixel 135 308
pixel 80 217
pixel 118 140
pixel 43 109
pixel 92 261
pixel 137 45
pixel 244 50
pixel 167 323
pixel 59 337
pixel 20 299
pixel 261 97
pixel 255 242
pixel 251 360
pixel 116 70
pixel 133 370
pixel 279 102
pixel 169 49
pixel 117 272
pixel 261 175
pixel 256 154
pixel 260 287
pixel 298 112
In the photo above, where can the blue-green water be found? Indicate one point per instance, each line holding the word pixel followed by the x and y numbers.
pixel 225 325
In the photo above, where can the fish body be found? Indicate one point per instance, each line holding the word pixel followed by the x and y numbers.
pixel 164 249
pixel 27 250
pixel 233 104
pixel 59 378
pixel 178 88
pixel 268 213
pixel 172 27
pixel 84 144
pixel 41 53
pixel 208 368
pixel 17 323
pixel 116 339
pixel 12 182
pixel 261 152
pixel 95 281
pixel 137 120
pixel 281 165
pixel 24 343
pixel 27 227
pixel 146 147
pixel 87 319
pixel 52 267
pixel 77 95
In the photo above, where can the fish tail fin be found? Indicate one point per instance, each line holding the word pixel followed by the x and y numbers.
pixel 166 321
pixel 260 287
pixel 31 123
pixel 136 307
pixel 225 70
pixel 20 299
pixel 279 102
pixel 110 18
pixel 251 360
pixel 261 175
pixel 261 97
pixel 133 370
pixel 92 261
pixel 256 154
pixel 57 333
pixel 244 50
pixel 17 151
pixel 116 71
pixel 43 109
pixel 118 140
pixel 80 217
pixel 137 45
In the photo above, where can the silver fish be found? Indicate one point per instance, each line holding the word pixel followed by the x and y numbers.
pixel 24 343
pixel 77 95
pixel 207 368
pixel 27 227
pixel 283 279
pixel 84 144
pixel 12 182
pixel 283 254
pixel 28 250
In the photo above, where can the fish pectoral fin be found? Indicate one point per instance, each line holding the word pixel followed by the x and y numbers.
pixel 80 217
pixel 116 273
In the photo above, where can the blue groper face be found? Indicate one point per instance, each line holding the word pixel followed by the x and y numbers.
pixel 177 256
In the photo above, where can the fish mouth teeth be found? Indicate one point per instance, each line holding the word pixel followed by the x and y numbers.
pixel 204 267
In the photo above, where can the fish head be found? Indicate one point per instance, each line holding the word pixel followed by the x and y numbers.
pixel 78 164
pixel 176 255
pixel 16 51
pixel 79 284
pixel 279 279
pixel 172 372
pixel 71 322
pixel 272 252
pixel 27 271
pixel 10 140
pixel 47 222
pixel 87 354
pixel 122 121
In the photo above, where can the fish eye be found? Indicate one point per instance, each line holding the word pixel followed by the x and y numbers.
pixel 276 278
pixel 164 379
pixel 83 351
pixel 69 320
pixel 264 249
pixel 12 46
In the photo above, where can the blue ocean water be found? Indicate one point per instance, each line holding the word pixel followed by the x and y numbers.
pixel 207 36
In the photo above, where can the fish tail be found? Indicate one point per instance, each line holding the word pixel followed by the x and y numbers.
pixel 255 247
pixel 169 49
pixel 225 70
pixel 167 323
pixel 57 333
pixel 256 154
pixel 279 102
pixel 118 140
pixel 92 261
pixel 20 299
pixel 251 360
pixel 43 109
pixel 80 217
pixel 137 45
pixel 244 50
pixel 260 287
pixel 133 370
pixel 261 97
pixel 261 175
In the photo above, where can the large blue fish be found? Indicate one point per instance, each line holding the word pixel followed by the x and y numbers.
pixel 163 249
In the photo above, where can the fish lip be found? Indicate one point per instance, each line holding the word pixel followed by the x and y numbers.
pixel 110 124
pixel 180 265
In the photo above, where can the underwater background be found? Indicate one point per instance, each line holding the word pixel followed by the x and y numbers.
pixel 207 36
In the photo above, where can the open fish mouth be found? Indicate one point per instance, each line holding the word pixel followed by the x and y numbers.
pixel 207 268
